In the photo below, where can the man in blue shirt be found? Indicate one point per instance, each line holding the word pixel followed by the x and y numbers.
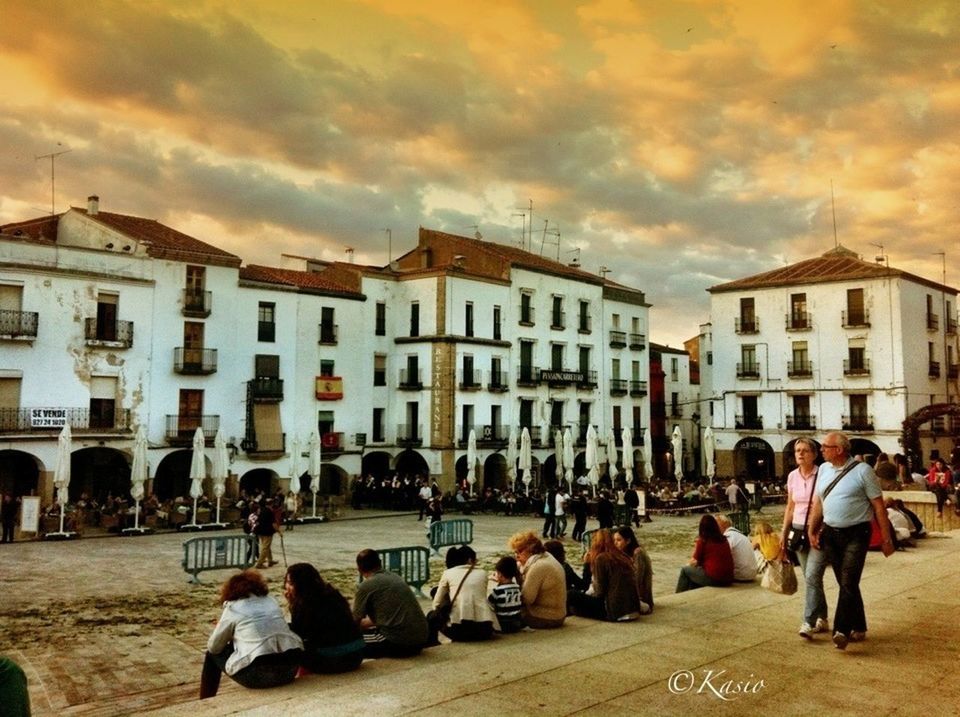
pixel 840 526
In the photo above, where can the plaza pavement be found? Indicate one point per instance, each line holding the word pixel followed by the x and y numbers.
pixel 729 651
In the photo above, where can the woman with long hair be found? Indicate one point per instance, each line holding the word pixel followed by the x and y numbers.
pixel 626 540
pixel 460 602
pixel 321 616
pixel 252 642
pixel 712 561
pixel 614 595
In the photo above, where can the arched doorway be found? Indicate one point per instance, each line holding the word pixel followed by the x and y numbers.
pixel 753 459
pixel 259 480
pixel 376 464
pixel 862 447
pixel 790 462
pixel 99 472
pixel 412 464
pixel 172 478
pixel 912 447
pixel 495 472
pixel 19 473
pixel 548 475
pixel 333 479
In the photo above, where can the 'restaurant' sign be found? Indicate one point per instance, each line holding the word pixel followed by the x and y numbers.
pixel 329 388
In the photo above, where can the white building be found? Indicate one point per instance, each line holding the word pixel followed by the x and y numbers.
pixel 110 322
pixel 831 343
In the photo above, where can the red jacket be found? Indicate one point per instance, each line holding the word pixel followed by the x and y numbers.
pixel 715 559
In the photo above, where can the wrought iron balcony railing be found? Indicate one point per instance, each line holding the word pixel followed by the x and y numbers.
pixel 18 324
pixel 197 303
pixel 618 339
pixel 181 428
pixel 194 362
pixel 115 333
pixel 51 420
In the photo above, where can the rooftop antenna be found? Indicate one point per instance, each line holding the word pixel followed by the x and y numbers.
pixel 523 227
pixel 389 234
pixel 524 243
pixel 604 271
pixel 53 184
pixel 555 233
pixel 349 251
pixel 476 231
pixel 833 206
pixel 882 258
pixel 576 260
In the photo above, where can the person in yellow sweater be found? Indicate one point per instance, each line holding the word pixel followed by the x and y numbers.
pixel 765 540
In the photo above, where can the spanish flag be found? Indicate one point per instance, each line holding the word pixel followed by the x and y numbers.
pixel 329 388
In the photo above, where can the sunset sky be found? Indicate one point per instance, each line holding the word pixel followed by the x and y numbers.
pixel 680 144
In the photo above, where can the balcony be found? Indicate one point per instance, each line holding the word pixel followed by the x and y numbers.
pixel 194 362
pixel 558 320
pixel 328 334
pixel 528 376
pixel 933 369
pixel 527 315
pixel 197 303
pixel 585 325
pixel 801 423
pixel 638 388
pixel 582 434
pixel 748 370
pixel 857 423
pixel 266 331
pixel 951 327
pixel 264 446
pixel 498 382
pixel 410 379
pixel 116 334
pixel 745 325
pixel 51 420
pixel 491 436
pixel 265 389
pixel 855 319
pixel 638 342
pixel 749 423
pixel 856 368
pixel 332 442
pixel 180 428
pixel 588 380
pixel 637 431
pixel 953 370
pixel 618 339
pixel 799 321
pixel 20 325
pixel 470 379
pixel 409 435
pixel 799 369
pixel 618 387
pixel 933 322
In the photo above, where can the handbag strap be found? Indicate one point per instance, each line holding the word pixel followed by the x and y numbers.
pixel 813 485
pixel 846 469
pixel 460 586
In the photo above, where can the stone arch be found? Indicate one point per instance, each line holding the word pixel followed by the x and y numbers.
pixel 99 471
pixel 19 473
pixel 172 477
pixel 376 464
pixel 409 462
pixel 753 459
pixel 911 430
pixel 260 480
pixel 495 471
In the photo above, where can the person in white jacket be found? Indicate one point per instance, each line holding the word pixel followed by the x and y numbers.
pixel 252 642
pixel 471 617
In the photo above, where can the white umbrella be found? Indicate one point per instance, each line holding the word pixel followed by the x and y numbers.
pixel 198 470
pixel 139 472
pixel 677 440
pixel 471 459
pixel 709 452
pixel 611 455
pixel 648 453
pixel 568 457
pixel 512 459
pixel 526 459
pixel 593 475
pixel 544 423
pixel 220 469
pixel 295 464
pixel 626 436
pixel 558 454
pixel 313 468
pixel 61 473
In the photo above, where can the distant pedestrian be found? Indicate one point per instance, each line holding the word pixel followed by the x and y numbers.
pixel 8 516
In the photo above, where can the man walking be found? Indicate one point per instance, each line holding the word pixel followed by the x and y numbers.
pixel 847 496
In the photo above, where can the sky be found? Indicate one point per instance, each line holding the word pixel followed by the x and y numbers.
pixel 676 144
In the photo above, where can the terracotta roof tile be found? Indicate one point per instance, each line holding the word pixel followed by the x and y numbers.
pixel 39 229
pixel 317 281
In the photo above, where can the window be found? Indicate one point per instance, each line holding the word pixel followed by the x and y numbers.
pixel 466 421
pixel 328 328
pixel 615 369
pixel 798 308
pixel 266 326
pixel 496 374
pixel 326 367
pixel 675 404
pixel 190 414
pixel 583 418
pixel 496 323
pixel 556 357
pixel 526 413
pixel 379 370
pixel 856 358
pixel 468 319
pixel 193 346
pixel 526 361
pixel 107 317
pixel 749 409
pixel 556 413
pixel 709 358
pixel 635 370
pixel 380 325
pixel 615 321
pixel 196 279
pixel 324 422
pixel 556 315
pixel 266 366
pixel 526 308
pixel 674 368
pixel 415 319
pixel 800 364
pixel 468 373
pixel 378 434
pixel 637 425
pixel 748 318
pixel 617 425
pixel 584 359
pixel 748 362
pixel 584 317
pixel 496 413
pixel 859 418
pixel 856 314
pixel 103 393
pixel 801 408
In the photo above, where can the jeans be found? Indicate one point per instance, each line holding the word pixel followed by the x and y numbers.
pixel 813 564
pixel 693 577
pixel 271 670
pixel 549 526
pixel 561 521
pixel 846 551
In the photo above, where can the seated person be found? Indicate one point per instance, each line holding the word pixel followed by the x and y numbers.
pixel 902 527
pixel 252 642
pixel 712 561
pixel 386 610
pixel 543 587
pixel 916 530
pixel 626 540
pixel 744 561
pixel 574 581
pixel 765 540
pixel 613 595
pixel 464 589
pixel 505 594
pixel 321 616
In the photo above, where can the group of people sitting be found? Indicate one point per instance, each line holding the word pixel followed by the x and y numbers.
pixel 533 588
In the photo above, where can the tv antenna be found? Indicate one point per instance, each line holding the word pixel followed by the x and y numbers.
pixel 882 258
pixel 833 206
pixel 555 233
pixel 576 259
pixel 53 184
pixel 476 231
pixel 527 227
pixel 523 226
pixel 604 271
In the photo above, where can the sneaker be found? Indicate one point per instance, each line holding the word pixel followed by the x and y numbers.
pixel 857 636
pixel 806 631
pixel 822 625
pixel 840 641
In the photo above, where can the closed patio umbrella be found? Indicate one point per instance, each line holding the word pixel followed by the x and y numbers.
pixel 558 455
pixel 139 472
pixel 626 437
pixel 471 459
pixel 677 440
pixel 512 459
pixel 648 454
pixel 709 452
pixel 61 472
pixel 315 463
pixel 611 455
pixel 198 470
pixel 526 458
pixel 220 469
pixel 568 457
pixel 593 474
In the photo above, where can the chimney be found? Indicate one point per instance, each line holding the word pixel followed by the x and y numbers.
pixel 93 205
